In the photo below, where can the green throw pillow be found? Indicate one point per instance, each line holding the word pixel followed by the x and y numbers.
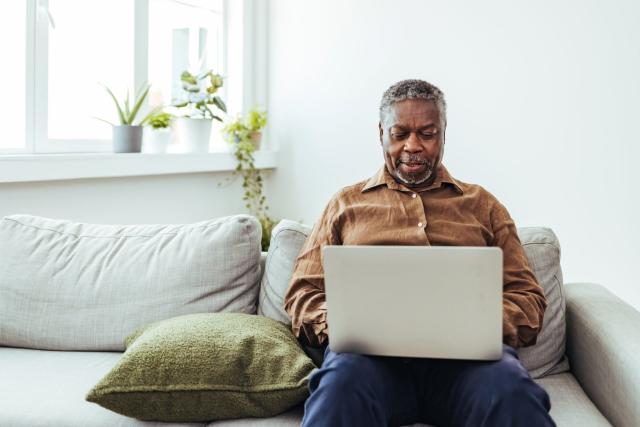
pixel 207 366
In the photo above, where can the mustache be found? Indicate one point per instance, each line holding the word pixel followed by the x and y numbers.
pixel 413 159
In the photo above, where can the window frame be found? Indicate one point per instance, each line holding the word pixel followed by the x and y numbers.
pixel 40 142
pixel 36 72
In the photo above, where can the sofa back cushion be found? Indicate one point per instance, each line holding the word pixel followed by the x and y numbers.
pixel 72 286
pixel 540 245
pixel 287 238
pixel 543 252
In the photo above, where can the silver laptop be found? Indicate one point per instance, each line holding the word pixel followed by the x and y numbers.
pixel 415 301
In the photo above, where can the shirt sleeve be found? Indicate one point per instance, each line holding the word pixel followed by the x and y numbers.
pixel 305 298
pixel 523 300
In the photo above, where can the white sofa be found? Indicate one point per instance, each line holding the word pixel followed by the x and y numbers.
pixel 70 293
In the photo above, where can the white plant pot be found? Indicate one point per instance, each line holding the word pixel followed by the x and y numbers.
pixel 218 143
pixel 156 141
pixel 193 134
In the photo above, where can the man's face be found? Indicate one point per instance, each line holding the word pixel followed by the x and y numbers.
pixel 412 137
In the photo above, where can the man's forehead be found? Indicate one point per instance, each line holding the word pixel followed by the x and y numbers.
pixel 408 111
pixel 403 125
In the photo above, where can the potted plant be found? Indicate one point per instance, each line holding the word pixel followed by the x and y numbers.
pixel 239 135
pixel 256 120
pixel 127 136
pixel 158 133
pixel 249 129
pixel 199 106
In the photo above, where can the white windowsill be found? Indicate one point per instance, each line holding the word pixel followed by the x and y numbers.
pixel 47 167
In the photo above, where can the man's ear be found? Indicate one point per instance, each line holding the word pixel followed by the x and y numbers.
pixel 444 133
pixel 381 131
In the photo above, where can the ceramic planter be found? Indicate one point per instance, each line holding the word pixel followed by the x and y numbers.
pixel 127 139
pixel 156 141
pixel 256 138
pixel 193 134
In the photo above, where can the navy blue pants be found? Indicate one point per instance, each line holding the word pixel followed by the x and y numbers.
pixel 355 390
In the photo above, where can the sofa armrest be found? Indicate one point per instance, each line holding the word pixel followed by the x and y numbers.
pixel 603 346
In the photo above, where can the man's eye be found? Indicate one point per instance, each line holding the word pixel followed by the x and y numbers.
pixel 398 135
pixel 427 135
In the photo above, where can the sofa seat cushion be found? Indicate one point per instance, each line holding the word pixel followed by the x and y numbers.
pixel 290 418
pixel 72 286
pixel 42 388
pixel 570 406
pixel 47 388
pixel 207 366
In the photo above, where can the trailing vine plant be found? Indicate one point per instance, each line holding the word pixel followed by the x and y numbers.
pixel 241 135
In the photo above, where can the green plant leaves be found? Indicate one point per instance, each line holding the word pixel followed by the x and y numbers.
pixel 200 90
pixel 252 181
pixel 120 112
pixel 239 130
pixel 138 104
pixel 187 77
pixel 256 119
pixel 219 103
pixel 126 115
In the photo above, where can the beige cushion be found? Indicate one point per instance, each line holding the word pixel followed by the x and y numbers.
pixel 71 286
pixel 540 245
pixel 286 240
pixel 543 252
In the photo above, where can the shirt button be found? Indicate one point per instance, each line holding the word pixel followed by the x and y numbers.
pixel 419 224
pixel 414 195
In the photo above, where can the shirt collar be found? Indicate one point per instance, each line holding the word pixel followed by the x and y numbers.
pixel 383 177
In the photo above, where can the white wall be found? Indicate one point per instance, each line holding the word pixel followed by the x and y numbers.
pixel 543 104
pixel 151 199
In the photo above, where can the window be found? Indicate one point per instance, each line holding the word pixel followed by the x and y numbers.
pixel 89 42
pixel 60 52
pixel 182 36
pixel 13 29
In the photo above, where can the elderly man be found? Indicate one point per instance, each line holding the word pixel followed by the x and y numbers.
pixel 413 200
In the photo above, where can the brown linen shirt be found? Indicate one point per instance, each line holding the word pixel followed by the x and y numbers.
pixel 380 211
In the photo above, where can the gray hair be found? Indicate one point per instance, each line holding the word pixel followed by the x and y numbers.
pixel 413 89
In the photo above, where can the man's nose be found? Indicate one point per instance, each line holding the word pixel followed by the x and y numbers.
pixel 412 143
